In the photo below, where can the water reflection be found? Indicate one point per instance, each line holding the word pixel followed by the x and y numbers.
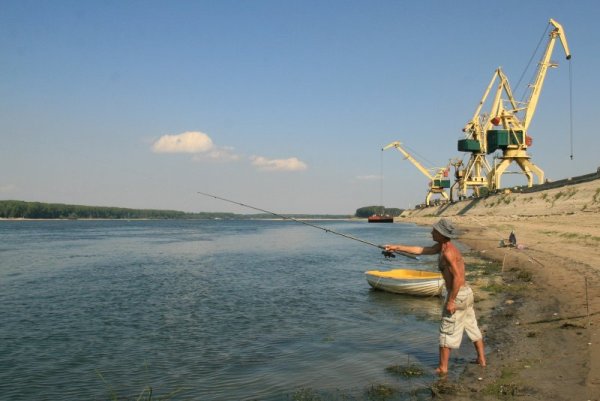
pixel 426 308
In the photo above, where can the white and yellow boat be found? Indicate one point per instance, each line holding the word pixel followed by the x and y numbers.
pixel 406 281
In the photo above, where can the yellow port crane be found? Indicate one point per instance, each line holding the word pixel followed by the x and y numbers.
pixel 512 137
pixel 475 174
pixel 438 177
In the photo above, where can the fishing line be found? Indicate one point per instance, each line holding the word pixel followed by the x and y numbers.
pixel 327 230
pixel 571 104
pixel 537 48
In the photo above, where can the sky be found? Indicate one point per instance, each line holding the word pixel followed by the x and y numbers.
pixel 283 105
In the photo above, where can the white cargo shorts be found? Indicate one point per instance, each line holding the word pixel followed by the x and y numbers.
pixel 463 319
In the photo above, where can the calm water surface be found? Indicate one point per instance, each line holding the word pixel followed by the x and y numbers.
pixel 220 310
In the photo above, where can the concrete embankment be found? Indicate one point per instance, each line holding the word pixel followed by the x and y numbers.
pixel 568 199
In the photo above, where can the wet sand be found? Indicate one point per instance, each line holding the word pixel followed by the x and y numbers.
pixel 543 332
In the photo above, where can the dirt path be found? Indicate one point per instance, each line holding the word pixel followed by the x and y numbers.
pixel 543 343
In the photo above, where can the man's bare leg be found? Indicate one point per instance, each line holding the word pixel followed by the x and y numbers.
pixel 444 358
pixel 480 352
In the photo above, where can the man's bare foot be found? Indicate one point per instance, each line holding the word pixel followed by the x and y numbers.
pixel 441 371
pixel 480 362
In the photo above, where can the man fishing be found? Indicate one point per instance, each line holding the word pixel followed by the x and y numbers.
pixel 458 314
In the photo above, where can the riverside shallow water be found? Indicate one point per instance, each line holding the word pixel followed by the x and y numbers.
pixel 220 310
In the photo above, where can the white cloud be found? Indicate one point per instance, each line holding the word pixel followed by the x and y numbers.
pixel 203 149
pixel 291 164
pixel 187 142
pixel 223 154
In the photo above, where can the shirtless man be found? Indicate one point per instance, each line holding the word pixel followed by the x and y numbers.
pixel 458 314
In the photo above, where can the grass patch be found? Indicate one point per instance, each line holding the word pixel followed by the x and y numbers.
pixel 567 194
pixel 596 197
pixel 570 235
pixel 577 236
pixel 502 389
pixel 505 386
pixel 573 236
pixel 524 276
pixel 309 394
pixel 444 387
pixel 495 288
pixel 506 199
pixel 492 267
pixel 377 392
pixel 407 371
pixel 306 394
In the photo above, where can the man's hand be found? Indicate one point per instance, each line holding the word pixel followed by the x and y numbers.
pixel 450 306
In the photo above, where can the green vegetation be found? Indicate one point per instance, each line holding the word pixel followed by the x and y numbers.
pixel 11 209
pixel 37 210
pixel 499 200
pixel 525 276
pixel 443 387
pixel 371 210
pixel 505 386
pixel 566 194
pixel 596 197
pixel 380 392
pixel 569 193
pixel 573 236
pixel 306 394
pixel 409 370
pixel 495 288
pixel 486 268
pixel 374 392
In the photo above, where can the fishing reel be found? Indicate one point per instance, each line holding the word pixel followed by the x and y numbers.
pixel 388 254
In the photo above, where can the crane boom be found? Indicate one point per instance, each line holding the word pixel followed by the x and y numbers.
pixel 545 63
pixel 418 165
pixel 476 128
pixel 437 181
pixel 502 85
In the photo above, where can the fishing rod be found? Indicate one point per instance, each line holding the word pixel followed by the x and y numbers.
pixel 385 253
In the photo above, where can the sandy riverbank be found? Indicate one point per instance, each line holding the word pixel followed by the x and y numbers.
pixel 544 335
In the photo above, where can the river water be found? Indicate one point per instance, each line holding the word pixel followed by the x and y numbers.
pixel 211 310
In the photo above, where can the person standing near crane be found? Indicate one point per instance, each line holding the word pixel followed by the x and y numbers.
pixel 458 314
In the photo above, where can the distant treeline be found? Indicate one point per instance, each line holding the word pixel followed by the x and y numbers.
pixel 371 210
pixel 12 209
